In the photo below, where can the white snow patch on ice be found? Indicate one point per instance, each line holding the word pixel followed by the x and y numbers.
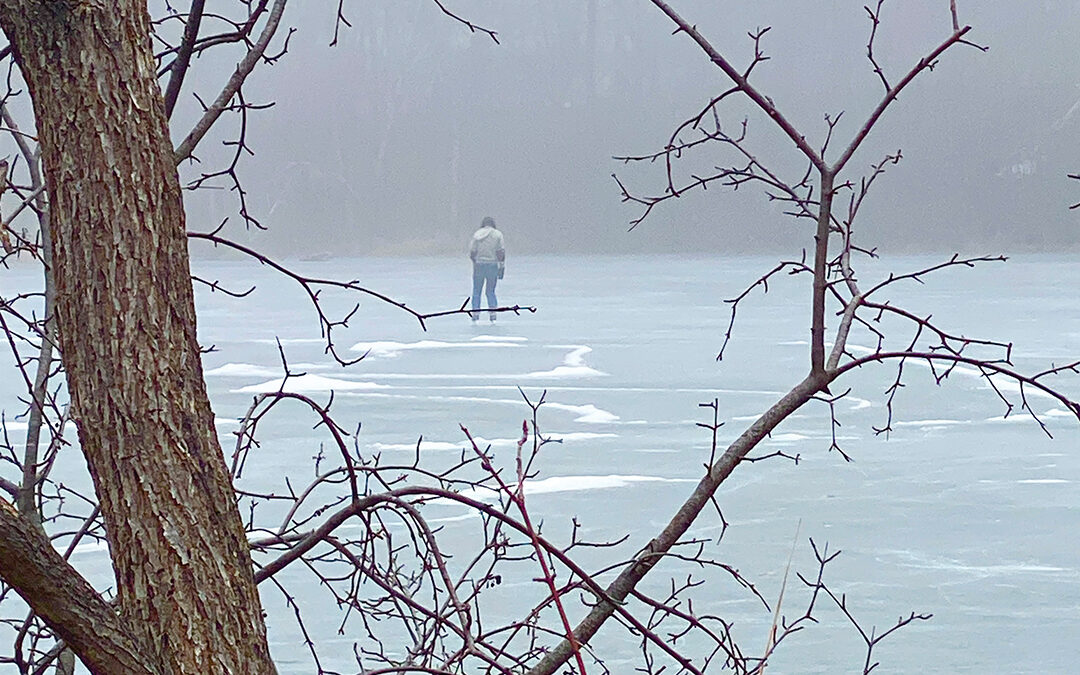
pixel 576 357
pixel 573 365
pixel 587 413
pixel 789 437
pixel 391 349
pixel 930 423
pixel 577 484
pixel 90 547
pixel 484 443
pixel 308 383
pixel 1021 417
pixel 469 515
pixel 859 403
pixel 564 372
pixel 481 442
pixel 498 338
pixel 1059 412
pixel 243 370
pixel 859 349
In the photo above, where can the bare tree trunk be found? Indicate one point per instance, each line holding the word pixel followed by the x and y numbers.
pixel 126 320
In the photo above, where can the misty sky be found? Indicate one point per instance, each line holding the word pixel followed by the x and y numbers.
pixel 410 130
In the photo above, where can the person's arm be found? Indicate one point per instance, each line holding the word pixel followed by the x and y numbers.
pixel 500 252
pixel 472 250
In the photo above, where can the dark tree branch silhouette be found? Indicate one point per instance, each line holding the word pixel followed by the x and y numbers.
pixel 109 345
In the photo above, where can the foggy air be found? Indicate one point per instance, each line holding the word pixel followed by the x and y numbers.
pixel 400 138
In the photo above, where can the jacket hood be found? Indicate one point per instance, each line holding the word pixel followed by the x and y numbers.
pixel 483 233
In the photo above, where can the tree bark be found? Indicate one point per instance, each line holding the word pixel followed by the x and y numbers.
pixel 126 319
pixel 57 593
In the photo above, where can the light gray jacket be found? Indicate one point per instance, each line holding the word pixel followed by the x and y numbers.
pixel 487 246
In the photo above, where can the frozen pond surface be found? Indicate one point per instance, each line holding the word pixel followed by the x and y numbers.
pixel 959 513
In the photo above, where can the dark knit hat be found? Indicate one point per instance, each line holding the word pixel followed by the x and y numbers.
pixel 487 222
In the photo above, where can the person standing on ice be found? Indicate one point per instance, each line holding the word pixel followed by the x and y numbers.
pixel 489 258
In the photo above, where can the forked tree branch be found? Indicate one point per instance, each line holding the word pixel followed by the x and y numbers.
pixel 927 62
pixel 179 67
pixel 517 496
pixel 821 373
pixel 987 368
pixel 619 589
pixel 233 85
pixel 58 593
pixel 741 82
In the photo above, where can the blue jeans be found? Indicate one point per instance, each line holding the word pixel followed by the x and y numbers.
pixel 484 274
